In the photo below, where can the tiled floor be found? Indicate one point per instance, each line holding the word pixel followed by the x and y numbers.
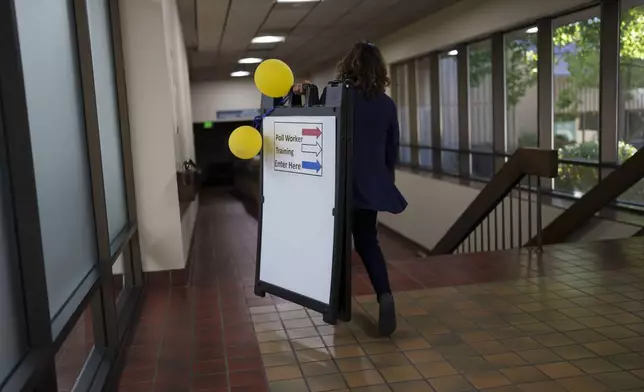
pixel 571 319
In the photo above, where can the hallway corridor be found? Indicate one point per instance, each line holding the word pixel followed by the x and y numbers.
pixel 571 319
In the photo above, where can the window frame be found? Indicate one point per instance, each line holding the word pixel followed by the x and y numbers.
pixel 610 16
pixel 112 318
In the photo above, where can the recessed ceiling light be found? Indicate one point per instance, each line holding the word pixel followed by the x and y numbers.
pixel 532 30
pixel 250 60
pixel 268 39
pixel 239 74
pixel 453 52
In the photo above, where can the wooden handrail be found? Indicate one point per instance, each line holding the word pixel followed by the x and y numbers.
pixel 609 189
pixel 525 161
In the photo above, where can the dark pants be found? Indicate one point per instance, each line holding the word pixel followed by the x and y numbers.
pixel 365 240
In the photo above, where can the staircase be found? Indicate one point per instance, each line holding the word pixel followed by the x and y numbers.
pixel 507 214
pixel 502 215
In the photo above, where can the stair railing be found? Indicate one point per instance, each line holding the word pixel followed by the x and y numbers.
pixel 504 215
pixel 603 194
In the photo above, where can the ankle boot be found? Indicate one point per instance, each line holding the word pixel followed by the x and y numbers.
pixel 387 315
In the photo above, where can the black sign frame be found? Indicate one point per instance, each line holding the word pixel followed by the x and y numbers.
pixel 339 105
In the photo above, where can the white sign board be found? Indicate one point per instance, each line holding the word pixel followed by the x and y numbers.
pixel 299 184
pixel 298 148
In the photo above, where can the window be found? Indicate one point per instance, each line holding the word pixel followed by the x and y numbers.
pixel 630 134
pixel 402 103
pixel 107 108
pixel 424 111
pixel 573 79
pixel 59 145
pixel 54 246
pixel 13 339
pixel 75 350
pixel 480 96
pixel 576 98
pixel 480 107
pixel 521 89
pixel 448 76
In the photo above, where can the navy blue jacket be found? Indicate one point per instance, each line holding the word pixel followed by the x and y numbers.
pixel 375 152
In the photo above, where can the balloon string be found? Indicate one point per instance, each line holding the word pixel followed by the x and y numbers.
pixel 257 121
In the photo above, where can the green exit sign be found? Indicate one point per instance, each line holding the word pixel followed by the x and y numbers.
pixel 207 125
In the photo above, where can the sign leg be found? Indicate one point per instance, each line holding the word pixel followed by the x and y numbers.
pixel 345 307
pixel 344 311
pixel 330 318
pixel 259 291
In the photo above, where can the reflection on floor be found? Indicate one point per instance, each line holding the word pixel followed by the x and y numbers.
pixel 72 355
pixel 571 319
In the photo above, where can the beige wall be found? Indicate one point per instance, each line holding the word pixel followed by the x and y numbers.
pixel 161 127
pixel 461 22
pixel 323 77
pixel 434 205
pixel 235 94
pixel 182 104
pixel 464 21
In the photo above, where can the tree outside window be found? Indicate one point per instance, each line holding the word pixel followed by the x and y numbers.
pixel 576 102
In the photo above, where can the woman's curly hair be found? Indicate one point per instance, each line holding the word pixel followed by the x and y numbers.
pixel 364 67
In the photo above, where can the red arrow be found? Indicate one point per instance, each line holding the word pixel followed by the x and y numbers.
pixel 312 132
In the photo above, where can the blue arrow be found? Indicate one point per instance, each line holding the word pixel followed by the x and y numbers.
pixel 312 165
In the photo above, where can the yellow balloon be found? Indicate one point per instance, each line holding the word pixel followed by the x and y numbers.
pixel 245 142
pixel 274 78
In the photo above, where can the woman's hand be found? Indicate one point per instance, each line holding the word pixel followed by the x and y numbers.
pixel 298 88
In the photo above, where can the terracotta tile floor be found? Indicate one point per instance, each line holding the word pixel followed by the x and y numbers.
pixel 570 319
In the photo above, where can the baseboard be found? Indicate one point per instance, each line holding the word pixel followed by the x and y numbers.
pixel 176 277
pixel 159 279
pixel 190 261
pixel 156 279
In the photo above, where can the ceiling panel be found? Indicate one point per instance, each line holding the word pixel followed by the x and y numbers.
pixel 328 11
pixel 415 11
pixel 322 18
pixel 211 19
pixel 284 19
pixel 244 20
pixel 366 12
pixel 316 33
pixel 189 22
pixel 201 59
